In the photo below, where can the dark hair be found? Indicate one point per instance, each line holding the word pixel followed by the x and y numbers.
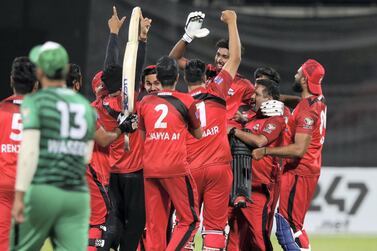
pixel 271 88
pixel 167 71
pixel 269 72
pixel 60 74
pixel 224 43
pixel 74 75
pixel 195 70
pixel 112 78
pixel 149 70
pixel 23 76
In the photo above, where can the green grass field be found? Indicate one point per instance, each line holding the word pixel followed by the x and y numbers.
pixel 319 243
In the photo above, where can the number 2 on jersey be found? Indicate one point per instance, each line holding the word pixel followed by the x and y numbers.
pixel 159 123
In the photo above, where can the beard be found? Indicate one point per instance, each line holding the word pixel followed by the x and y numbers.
pixel 296 87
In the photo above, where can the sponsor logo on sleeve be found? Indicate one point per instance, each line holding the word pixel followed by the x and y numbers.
pixel 269 128
pixel 218 80
pixel 308 123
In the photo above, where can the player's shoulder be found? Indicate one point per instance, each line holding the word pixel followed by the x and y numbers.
pixel 312 103
pixel 240 79
pixel 184 97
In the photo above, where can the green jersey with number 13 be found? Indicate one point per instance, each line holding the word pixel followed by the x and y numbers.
pixel 66 122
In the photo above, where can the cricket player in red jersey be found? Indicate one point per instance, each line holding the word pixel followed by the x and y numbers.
pixel 23 81
pixel 107 85
pixel 307 130
pixel 210 156
pixel 272 74
pixel 249 225
pixel 166 117
pixel 241 90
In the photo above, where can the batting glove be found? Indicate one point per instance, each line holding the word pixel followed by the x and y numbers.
pixel 272 108
pixel 193 27
pixel 128 123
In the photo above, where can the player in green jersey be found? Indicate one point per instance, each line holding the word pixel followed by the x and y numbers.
pixel 52 198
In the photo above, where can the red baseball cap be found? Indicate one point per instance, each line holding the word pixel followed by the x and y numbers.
pixel 96 82
pixel 314 72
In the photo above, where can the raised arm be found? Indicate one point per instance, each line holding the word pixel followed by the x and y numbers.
pixel 193 29
pixel 177 53
pixel 145 24
pixel 112 50
pixel 230 18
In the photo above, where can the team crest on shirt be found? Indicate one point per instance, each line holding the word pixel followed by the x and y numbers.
pixel 308 123
pixel 218 80
pixel 230 92
pixel 256 127
pixel 269 128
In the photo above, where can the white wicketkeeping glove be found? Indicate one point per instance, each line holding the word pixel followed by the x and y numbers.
pixel 193 27
pixel 272 108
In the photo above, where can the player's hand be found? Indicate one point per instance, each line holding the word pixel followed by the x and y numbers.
pixel 228 16
pixel 272 108
pixel 239 117
pixel 145 24
pixel 128 123
pixel 18 210
pixel 258 153
pixel 115 23
pixel 193 27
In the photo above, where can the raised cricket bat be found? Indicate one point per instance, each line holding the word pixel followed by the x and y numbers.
pixel 129 66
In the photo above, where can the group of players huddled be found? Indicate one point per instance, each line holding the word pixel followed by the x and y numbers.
pixel 228 149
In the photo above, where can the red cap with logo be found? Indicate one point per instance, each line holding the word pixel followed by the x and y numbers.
pixel 314 73
pixel 96 82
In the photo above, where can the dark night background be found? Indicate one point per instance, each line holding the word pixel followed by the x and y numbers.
pixel 342 35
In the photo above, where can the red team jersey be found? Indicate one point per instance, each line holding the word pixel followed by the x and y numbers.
pixel 308 117
pixel 121 161
pixel 239 94
pixel 10 139
pixel 165 116
pixel 100 156
pixel 265 170
pixel 212 114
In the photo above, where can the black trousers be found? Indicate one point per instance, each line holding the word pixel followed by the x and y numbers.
pixel 126 192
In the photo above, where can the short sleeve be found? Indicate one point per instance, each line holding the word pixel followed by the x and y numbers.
pixel 30 113
pixel 305 122
pixel 141 124
pixel 272 128
pixel 221 83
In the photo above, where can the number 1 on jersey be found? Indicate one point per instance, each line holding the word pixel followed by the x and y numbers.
pixel 322 126
pixel 202 113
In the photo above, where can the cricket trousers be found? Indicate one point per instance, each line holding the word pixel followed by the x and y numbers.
pixel 159 193
pixel 295 196
pixel 214 184
pixel 274 197
pixel 55 213
pixel 6 203
pixel 249 227
pixel 126 192
pixel 99 209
